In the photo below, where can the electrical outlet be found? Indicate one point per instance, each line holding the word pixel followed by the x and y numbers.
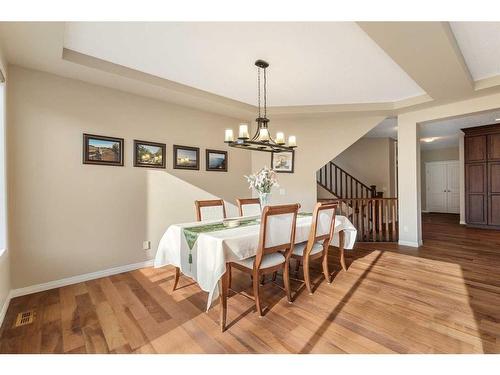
pixel 282 191
pixel 146 245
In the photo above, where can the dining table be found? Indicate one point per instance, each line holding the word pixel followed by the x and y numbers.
pixel 202 249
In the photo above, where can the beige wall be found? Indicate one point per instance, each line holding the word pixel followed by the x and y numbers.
pixel 409 155
pixel 68 218
pixel 319 141
pixel 4 253
pixel 434 155
pixel 371 160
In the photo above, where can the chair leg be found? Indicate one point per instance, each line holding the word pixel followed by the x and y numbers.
pixel 224 286
pixel 307 277
pixel 176 277
pixel 297 266
pixel 230 277
pixel 262 279
pixel 275 273
pixel 326 272
pixel 341 250
pixel 256 295
pixel 286 281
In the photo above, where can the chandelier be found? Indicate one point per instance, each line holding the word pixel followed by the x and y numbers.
pixel 262 140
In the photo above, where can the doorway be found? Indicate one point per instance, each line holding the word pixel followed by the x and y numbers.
pixel 443 186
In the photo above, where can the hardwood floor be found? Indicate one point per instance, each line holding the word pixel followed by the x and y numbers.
pixel 441 298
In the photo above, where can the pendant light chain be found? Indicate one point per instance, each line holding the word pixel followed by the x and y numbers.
pixel 265 94
pixel 258 79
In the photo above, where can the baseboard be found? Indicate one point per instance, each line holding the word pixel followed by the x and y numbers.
pixel 462 222
pixel 409 243
pixel 79 278
pixel 5 306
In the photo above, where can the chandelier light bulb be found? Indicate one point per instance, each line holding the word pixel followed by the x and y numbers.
pixel 229 136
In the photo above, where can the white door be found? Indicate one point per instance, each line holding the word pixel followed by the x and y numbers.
pixel 453 187
pixel 435 179
pixel 442 190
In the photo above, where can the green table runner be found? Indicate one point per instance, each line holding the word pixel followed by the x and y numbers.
pixel 192 233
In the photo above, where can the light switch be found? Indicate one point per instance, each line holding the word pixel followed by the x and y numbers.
pixel 146 245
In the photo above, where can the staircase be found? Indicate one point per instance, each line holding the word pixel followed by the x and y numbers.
pixel 374 216
pixel 343 185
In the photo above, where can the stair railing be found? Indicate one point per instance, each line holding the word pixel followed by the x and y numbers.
pixel 376 219
pixel 342 184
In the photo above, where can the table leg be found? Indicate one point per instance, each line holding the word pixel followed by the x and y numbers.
pixel 224 288
pixel 341 249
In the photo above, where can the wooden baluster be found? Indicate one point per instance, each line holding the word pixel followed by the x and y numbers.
pixel 374 231
pixel 345 181
pixel 331 186
pixel 351 187
pixel 362 218
pixel 367 218
pixel 380 223
pixel 386 217
pixel 335 190
pixel 394 218
pixel 341 184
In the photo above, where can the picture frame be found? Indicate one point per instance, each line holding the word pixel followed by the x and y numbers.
pixel 186 157
pixel 103 150
pixel 216 160
pixel 149 154
pixel 283 162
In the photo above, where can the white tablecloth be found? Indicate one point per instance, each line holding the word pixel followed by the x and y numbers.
pixel 213 250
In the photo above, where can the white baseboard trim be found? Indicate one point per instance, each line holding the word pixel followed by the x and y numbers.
pixel 4 308
pixel 409 243
pixel 79 278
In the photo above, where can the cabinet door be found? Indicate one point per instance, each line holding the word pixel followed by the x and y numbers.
pixel 494 193
pixel 494 147
pixel 475 148
pixel 475 193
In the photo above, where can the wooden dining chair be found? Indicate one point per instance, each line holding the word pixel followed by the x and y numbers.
pixel 210 209
pixel 205 210
pixel 276 241
pixel 249 206
pixel 320 237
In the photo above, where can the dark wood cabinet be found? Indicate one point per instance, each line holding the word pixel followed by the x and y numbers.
pixel 482 176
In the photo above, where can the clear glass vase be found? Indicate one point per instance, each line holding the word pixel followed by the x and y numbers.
pixel 264 199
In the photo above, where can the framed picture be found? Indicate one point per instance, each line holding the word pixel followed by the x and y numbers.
pixel 216 160
pixel 149 154
pixel 98 149
pixel 282 162
pixel 186 157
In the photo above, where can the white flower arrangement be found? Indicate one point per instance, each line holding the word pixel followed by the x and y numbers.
pixel 263 181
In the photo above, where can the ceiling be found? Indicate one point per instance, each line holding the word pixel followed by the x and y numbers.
pixel 480 46
pixel 444 133
pixel 311 63
pixel 317 69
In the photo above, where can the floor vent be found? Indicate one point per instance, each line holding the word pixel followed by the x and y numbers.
pixel 24 318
